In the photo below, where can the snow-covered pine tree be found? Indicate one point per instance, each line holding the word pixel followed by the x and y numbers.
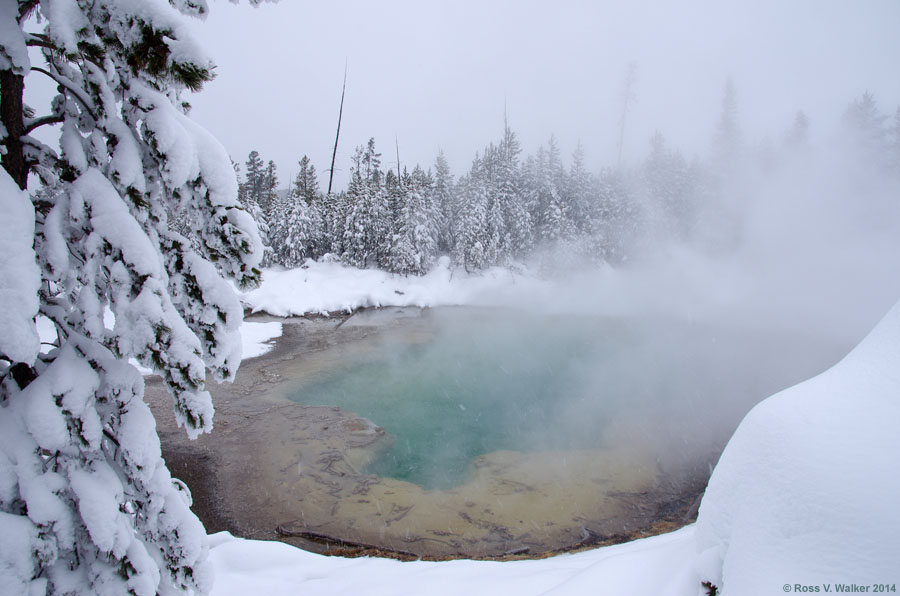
pixel 334 218
pixel 267 201
pixel 299 231
pixel 518 235
pixel 86 502
pixel 471 224
pixel 556 226
pixel 270 188
pixel 613 220
pixel 366 224
pixel 667 184
pixel 395 197
pixel 580 189
pixel 354 245
pixel 297 227
pixel 582 192
pixel 414 242
pixel 494 241
pixel 306 184
pixel 399 258
pixel 254 180
pixel 445 203
pixel 252 195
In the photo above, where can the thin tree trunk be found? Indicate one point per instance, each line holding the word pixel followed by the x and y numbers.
pixel 627 99
pixel 338 135
pixel 397 144
pixel 11 111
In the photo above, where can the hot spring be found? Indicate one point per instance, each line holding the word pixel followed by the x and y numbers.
pixel 533 429
pixel 490 381
pixel 477 432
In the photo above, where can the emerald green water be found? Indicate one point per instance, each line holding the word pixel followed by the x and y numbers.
pixel 484 381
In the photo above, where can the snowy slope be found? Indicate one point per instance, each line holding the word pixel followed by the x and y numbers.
pixel 807 490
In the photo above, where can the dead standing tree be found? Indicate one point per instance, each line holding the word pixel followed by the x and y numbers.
pixel 628 98
pixel 338 135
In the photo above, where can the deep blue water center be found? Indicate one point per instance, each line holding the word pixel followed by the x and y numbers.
pixel 478 381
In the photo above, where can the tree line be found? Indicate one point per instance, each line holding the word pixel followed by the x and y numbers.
pixel 508 209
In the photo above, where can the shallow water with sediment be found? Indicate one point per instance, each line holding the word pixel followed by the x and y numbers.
pixel 326 477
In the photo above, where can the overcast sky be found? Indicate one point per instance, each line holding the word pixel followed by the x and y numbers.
pixel 437 74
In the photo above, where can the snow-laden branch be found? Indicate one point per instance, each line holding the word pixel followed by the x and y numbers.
pixel 71 87
pixel 34 123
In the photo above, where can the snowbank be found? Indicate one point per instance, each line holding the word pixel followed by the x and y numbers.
pixel 806 493
pixel 648 567
pixel 258 338
pixel 323 287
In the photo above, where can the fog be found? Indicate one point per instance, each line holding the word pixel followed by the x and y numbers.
pixel 440 74
pixel 813 249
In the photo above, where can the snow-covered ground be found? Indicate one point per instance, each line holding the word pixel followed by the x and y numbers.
pixel 806 492
pixel 652 566
pixel 323 287
pixel 258 338
pixel 804 497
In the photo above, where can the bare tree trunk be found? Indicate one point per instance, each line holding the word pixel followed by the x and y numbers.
pixel 397 145
pixel 338 135
pixel 11 114
pixel 627 99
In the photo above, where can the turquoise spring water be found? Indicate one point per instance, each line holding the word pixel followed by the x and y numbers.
pixel 491 380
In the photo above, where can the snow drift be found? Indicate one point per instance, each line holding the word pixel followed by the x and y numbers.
pixel 806 492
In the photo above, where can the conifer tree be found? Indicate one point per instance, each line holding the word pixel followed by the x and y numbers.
pixel 580 191
pixel 254 181
pixel 366 220
pixel 867 131
pixel 519 229
pixel 668 185
pixel 471 224
pixel 614 218
pixel 269 188
pixel 297 229
pixel 86 502
pixel 306 184
pixel 334 218
pixel 726 146
pixel 414 242
pixel 354 245
pixel 445 203
pixel 798 135
pixel 252 195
